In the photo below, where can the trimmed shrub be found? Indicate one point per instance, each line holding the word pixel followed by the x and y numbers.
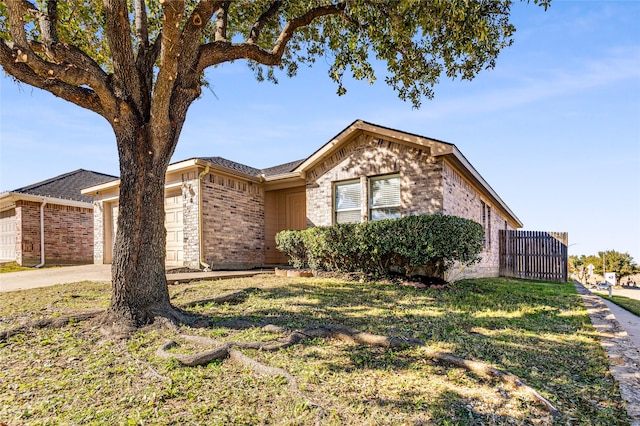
pixel 291 242
pixel 429 243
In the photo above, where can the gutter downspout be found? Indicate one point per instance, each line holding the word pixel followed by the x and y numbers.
pixel 201 261
pixel 42 260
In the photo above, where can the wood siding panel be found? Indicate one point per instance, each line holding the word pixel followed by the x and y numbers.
pixel 283 209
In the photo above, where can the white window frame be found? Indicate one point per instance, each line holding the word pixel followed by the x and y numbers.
pixel 397 205
pixel 337 210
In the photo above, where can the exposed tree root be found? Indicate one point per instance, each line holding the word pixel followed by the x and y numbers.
pixel 484 370
pixel 239 358
pixel 112 323
pixel 226 350
pixel 54 322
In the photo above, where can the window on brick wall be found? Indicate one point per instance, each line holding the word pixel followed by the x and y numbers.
pixel 347 202
pixel 383 194
pixel 486 225
pixel 384 197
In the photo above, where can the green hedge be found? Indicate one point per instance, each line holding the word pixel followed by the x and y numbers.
pixel 432 243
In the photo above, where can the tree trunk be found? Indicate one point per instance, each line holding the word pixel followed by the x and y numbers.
pixel 140 293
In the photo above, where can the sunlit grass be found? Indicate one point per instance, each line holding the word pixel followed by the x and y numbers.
pixel 631 305
pixel 538 331
pixel 12 267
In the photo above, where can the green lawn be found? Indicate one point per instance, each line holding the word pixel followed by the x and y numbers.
pixel 12 267
pixel 538 331
pixel 631 305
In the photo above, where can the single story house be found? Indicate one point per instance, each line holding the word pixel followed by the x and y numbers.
pixel 50 221
pixel 224 215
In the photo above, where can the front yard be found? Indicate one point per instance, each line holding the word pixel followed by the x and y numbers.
pixel 537 331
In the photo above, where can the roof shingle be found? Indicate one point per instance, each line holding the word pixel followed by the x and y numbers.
pixel 67 186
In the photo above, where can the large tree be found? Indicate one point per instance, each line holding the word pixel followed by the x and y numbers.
pixel 140 65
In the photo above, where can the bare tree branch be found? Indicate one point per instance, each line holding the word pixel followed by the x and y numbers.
pixel 127 85
pixel 163 126
pixel 218 52
pixel 142 31
pixel 221 21
pixel 188 81
pixel 48 22
pixel 302 21
pixel 262 21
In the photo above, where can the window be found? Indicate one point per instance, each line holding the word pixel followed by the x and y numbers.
pixel 486 225
pixel 347 202
pixel 384 197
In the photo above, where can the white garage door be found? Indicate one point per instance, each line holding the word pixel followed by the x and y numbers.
pixel 173 222
pixel 8 235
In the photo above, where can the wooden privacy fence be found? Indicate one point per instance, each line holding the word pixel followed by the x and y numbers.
pixel 534 255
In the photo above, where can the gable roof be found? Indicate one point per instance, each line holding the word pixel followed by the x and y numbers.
pixel 282 168
pixel 293 173
pixel 439 149
pixel 67 186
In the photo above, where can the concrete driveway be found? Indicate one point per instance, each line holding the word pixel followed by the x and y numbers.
pixel 45 277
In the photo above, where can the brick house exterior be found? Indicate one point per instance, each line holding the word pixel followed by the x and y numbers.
pixel 229 213
pixel 50 218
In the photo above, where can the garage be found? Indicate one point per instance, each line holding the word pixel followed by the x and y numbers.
pixel 8 235
pixel 174 225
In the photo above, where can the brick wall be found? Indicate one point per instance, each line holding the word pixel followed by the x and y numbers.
pixel 367 156
pixel 233 222
pixel 427 186
pixel 68 233
pixel 98 232
pixel 461 199
pixel 191 219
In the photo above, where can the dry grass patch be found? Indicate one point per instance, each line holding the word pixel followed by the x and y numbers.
pixel 538 331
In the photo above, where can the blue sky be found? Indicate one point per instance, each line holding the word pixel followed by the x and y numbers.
pixel 554 128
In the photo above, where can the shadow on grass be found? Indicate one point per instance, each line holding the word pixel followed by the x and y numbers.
pixel 538 331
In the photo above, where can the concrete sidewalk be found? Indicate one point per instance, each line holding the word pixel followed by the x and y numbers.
pixel 45 277
pixel 619 336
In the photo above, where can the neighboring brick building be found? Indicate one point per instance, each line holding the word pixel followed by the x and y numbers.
pixel 225 215
pixel 49 222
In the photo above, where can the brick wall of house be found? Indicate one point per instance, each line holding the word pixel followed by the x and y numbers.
pixel 461 199
pixel 98 232
pixel 233 222
pixel 368 156
pixel 191 219
pixel 68 234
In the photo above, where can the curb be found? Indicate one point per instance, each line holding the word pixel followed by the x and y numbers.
pixel 624 356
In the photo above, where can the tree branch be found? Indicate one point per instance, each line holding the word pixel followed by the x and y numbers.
pixel 64 78
pixel 169 53
pixel 218 52
pixel 221 21
pixel 127 85
pixel 48 22
pixel 302 21
pixel 188 81
pixel 262 21
pixel 140 16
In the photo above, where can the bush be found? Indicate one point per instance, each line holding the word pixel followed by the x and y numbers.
pixel 431 243
pixel 292 244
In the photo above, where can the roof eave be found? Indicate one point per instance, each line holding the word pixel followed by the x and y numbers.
pixel 226 170
pixel 8 198
pixel 358 127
